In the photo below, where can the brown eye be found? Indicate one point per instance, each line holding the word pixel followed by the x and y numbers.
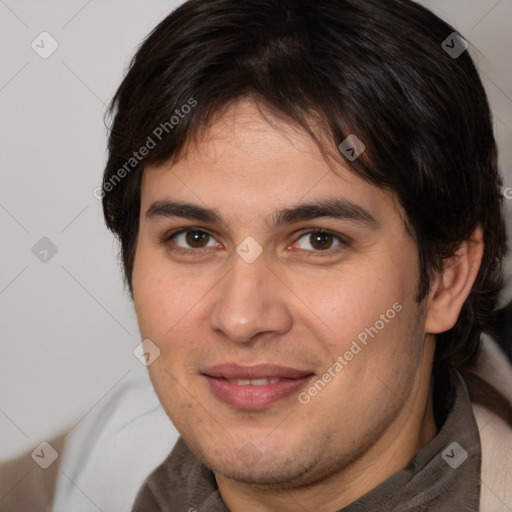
pixel 318 241
pixel 197 239
pixel 321 241
pixel 193 239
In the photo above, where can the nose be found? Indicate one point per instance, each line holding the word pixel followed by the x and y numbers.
pixel 250 302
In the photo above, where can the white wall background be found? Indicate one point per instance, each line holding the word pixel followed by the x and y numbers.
pixel 67 328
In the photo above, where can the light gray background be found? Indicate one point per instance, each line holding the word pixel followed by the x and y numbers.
pixel 67 327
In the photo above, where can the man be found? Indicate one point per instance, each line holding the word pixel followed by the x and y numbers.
pixel 309 210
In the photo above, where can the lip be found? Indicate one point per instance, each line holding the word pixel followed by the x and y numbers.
pixel 254 397
pixel 257 371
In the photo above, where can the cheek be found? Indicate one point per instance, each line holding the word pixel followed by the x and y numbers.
pixel 343 303
pixel 164 298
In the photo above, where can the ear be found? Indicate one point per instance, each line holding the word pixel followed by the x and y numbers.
pixel 451 287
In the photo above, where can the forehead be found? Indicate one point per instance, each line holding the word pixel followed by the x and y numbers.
pixel 247 135
pixel 249 160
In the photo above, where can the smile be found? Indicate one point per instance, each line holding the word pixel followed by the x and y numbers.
pixel 254 387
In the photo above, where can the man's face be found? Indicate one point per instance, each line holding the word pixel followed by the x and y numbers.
pixel 337 280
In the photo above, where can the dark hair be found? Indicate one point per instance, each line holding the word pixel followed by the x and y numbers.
pixel 374 68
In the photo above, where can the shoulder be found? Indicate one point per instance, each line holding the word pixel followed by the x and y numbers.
pixel 490 388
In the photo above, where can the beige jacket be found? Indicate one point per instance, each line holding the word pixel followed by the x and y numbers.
pixel 493 413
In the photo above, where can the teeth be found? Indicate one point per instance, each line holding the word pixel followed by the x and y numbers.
pixel 253 382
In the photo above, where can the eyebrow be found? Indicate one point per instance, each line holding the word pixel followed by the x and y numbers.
pixel 334 208
pixel 331 208
pixel 171 209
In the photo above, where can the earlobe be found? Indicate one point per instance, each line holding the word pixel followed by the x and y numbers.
pixel 451 287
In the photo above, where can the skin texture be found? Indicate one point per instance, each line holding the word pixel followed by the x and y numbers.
pixel 294 307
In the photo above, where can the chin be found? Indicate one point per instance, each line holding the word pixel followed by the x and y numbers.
pixel 269 469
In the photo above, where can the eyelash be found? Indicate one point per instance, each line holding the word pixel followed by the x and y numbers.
pixel 180 250
pixel 344 242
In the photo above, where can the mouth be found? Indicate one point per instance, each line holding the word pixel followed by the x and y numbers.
pixel 254 387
